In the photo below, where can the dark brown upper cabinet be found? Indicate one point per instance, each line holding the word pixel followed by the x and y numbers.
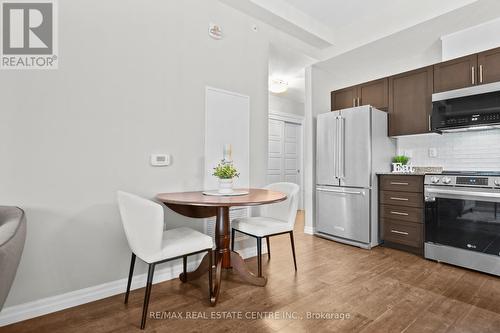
pixel 489 66
pixel 374 93
pixel 408 96
pixel 344 98
pixel 456 74
pixel 410 103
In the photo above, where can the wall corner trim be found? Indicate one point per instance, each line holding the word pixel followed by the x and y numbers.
pixel 309 230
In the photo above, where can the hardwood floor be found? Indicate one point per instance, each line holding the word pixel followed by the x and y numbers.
pixel 382 290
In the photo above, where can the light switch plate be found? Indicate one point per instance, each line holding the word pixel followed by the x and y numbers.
pixel 160 159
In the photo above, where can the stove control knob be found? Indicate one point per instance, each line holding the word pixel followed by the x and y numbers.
pixel 497 182
pixel 434 180
pixel 446 180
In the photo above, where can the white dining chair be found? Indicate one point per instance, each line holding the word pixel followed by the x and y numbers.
pixel 274 219
pixel 143 223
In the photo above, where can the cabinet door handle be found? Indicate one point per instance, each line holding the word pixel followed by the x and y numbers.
pixel 399 183
pixel 354 102
pixel 473 74
pixel 480 73
pixel 399 213
pixel 359 101
pixel 399 199
pixel 399 232
pixel 430 122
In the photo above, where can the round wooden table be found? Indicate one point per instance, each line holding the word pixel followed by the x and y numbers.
pixel 198 205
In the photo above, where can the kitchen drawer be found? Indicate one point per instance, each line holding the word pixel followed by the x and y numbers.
pixel 407 199
pixel 402 183
pixel 402 213
pixel 402 232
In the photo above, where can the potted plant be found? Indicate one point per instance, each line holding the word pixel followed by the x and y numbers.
pixel 399 163
pixel 226 172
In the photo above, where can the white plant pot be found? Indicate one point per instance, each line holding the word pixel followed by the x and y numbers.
pixel 225 186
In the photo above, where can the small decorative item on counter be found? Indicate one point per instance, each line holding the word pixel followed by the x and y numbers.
pixel 400 164
pixel 226 172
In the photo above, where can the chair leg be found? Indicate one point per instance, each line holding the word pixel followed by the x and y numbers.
pixel 259 256
pixel 184 266
pixel 149 284
pixel 210 263
pixel 293 250
pixel 268 248
pixel 131 272
pixel 232 239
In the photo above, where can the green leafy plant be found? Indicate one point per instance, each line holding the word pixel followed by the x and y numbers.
pixel 225 170
pixel 400 159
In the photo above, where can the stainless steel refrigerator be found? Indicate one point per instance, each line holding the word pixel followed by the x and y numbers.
pixel 352 146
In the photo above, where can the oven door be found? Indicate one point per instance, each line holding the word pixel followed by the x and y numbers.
pixel 466 218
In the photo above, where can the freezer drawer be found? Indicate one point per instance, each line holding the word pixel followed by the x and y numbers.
pixel 343 212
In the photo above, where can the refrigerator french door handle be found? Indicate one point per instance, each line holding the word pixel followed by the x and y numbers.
pixel 336 149
pixel 342 148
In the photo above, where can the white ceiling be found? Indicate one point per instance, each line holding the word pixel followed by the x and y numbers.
pixel 335 27
pixel 357 21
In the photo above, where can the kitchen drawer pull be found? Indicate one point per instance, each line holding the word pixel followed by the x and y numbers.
pixel 399 232
pixel 473 75
pixel 399 199
pixel 399 183
pixel 399 213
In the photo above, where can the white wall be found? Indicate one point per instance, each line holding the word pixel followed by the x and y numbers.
pixel 131 81
pixel 284 104
pixel 455 151
pixel 472 40
pixel 319 84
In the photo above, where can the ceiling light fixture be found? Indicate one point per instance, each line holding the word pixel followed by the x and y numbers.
pixel 278 86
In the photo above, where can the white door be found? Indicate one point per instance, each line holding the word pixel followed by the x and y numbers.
pixel 284 163
pixel 275 160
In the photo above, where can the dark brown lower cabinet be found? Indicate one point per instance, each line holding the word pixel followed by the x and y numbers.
pixel 401 212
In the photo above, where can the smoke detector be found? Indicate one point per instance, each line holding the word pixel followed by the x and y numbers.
pixel 215 31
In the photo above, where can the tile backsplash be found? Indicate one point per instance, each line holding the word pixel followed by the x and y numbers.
pixel 454 151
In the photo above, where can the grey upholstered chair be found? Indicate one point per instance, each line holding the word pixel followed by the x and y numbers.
pixel 12 237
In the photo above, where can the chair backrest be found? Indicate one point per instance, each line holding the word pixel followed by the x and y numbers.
pixel 12 239
pixel 286 210
pixel 142 220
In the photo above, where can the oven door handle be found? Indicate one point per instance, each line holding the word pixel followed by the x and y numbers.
pixel 469 194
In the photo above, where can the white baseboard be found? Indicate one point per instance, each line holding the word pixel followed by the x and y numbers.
pixel 309 230
pixel 17 313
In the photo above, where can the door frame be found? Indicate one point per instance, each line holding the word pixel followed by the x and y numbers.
pixel 298 120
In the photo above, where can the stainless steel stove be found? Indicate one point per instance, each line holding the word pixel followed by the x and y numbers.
pixel 462 219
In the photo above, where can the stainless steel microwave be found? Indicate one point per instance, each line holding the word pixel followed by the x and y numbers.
pixel 473 108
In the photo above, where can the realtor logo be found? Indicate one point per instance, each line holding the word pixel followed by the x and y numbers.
pixel 29 38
